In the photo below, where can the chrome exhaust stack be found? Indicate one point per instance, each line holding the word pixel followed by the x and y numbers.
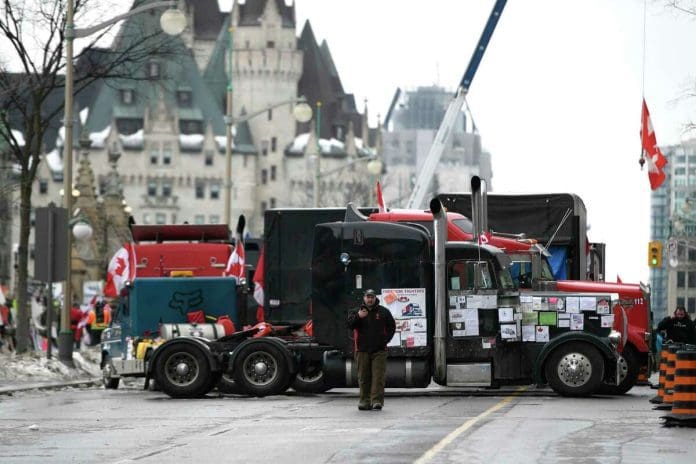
pixel 440 229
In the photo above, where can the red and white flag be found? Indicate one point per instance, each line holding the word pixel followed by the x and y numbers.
pixel 258 286
pixel 380 199
pixel 121 270
pixel 235 265
pixel 654 157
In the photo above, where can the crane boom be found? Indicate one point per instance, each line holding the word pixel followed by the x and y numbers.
pixel 420 189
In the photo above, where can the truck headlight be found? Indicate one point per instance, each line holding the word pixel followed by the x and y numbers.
pixel 615 338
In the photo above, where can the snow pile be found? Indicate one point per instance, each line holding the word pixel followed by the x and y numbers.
pixel 34 367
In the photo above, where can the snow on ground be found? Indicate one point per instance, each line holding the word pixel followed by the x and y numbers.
pixel 35 367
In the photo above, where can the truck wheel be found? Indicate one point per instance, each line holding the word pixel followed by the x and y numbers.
pixel 261 369
pixel 183 372
pixel 227 385
pixel 631 367
pixel 110 382
pixel 575 369
pixel 310 380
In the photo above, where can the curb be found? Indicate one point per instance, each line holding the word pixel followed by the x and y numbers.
pixel 10 389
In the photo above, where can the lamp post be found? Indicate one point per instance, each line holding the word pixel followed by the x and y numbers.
pixel 301 112
pixel 317 161
pixel 173 22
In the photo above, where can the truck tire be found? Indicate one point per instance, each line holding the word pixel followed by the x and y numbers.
pixel 110 382
pixel 310 380
pixel 632 368
pixel 182 371
pixel 227 385
pixel 575 369
pixel 261 369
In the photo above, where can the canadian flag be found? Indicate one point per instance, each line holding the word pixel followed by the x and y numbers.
pixel 656 160
pixel 258 287
pixel 484 238
pixel 121 270
pixel 235 265
pixel 380 199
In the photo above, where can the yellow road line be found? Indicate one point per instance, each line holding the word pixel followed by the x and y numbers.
pixel 428 455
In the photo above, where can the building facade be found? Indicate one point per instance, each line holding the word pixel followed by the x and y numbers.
pixel 409 135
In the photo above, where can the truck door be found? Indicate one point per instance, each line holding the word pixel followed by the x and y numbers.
pixel 482 334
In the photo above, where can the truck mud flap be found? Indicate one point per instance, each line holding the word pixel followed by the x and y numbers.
pixel 342 372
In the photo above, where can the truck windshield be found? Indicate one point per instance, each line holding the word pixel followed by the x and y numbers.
pixel 464 225
pixel 521 270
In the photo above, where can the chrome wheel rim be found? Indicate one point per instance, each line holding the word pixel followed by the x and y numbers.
pixel 574 369
pixel 181 369
pixel 260 368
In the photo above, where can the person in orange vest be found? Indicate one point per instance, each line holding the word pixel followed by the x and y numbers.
pixel 98 319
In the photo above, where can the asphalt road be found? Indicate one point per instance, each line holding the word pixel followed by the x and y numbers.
pixel 134 426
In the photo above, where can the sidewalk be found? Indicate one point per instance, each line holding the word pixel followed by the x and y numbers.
pixel 33 370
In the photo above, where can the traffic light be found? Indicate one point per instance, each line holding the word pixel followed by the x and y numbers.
pixel 655 253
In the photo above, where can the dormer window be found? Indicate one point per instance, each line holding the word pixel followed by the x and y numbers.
pixel 153 70
pixel 190 126
pixel 127 96
pixel 184 98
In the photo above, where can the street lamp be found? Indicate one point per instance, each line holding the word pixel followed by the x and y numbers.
pixel 301 112
pixel 172 22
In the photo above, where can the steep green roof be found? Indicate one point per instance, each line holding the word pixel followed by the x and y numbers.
pixel 177 71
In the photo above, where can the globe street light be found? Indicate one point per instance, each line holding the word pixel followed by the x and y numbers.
pixel 172 22
pixel 301 112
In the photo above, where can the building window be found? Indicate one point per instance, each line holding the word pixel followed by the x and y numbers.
pixel 214 219
pixel 200 189
pixel 184 99
pixel 270 115
pixel 190 126
pixel 273 173
pixel 681 276
pixel 152 188
pixel 199 219
pixel 270 44
pixel 264 176
pixel 160 218
pixel 153 70
pixel 209 158
pixel 127 96
pixel 214 191
pixel 274 144
pixel 167 189
pixel 43 186
pixel 273 202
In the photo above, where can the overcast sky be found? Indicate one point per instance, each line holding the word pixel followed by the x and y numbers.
pixel 556 99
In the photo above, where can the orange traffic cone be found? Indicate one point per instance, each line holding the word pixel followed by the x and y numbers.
pixel 659 398
pixel 684 406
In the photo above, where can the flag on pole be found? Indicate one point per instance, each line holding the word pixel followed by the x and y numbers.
pixel 258 287
pixel 654 157
pixel 380 199
pixel 235 264
pixel 121 270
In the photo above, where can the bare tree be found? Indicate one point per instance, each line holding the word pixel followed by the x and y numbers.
pixel 32 34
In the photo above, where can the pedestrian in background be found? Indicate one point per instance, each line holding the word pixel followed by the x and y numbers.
pixel 678 328
pixel 373 326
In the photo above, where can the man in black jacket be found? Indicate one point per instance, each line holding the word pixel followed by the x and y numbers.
pixel 373 326
pixel 679 327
